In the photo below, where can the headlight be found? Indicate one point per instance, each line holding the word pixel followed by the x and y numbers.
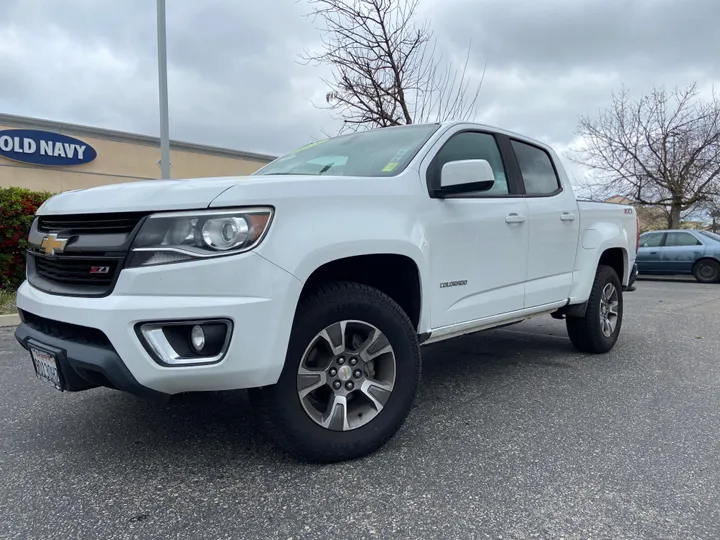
pixel 183 236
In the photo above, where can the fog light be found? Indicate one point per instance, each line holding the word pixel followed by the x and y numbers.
pixel 197 338
pixel 186 343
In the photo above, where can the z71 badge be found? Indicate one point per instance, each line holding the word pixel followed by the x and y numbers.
pixel 453 283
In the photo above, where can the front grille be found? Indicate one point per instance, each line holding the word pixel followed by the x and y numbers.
pixel 91 223
pixel 92 258
pixel 92 271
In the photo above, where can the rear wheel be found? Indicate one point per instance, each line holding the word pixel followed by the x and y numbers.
pixel 598 330
pixel 707 271
pixel 350 375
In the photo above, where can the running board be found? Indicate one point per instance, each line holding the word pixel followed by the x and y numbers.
pixel 486 323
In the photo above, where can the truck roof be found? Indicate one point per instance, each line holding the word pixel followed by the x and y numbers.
pixel 479 125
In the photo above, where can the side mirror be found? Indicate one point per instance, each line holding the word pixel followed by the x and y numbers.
pixel 465 176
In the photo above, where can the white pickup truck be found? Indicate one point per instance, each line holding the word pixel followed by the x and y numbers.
pixel 315 281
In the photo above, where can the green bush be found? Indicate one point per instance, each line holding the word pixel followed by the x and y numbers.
pixel 17 210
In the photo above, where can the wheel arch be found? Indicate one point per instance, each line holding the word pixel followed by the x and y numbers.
pixel 617 259
pixel 396 275
pixel 611 253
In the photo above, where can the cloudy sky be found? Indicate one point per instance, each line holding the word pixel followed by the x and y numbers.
pixel 235 80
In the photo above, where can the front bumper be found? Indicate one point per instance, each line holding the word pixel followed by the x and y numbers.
pixel 256 295
pixel 85 364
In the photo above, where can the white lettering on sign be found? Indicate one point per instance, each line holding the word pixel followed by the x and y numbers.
pixel 26 145
pixel 50 148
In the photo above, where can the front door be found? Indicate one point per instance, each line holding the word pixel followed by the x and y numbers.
pixel 477 242
pixel 648 255
pixel 554 223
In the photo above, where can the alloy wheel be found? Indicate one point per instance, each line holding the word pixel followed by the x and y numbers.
pixel 609 303
pixel 346 375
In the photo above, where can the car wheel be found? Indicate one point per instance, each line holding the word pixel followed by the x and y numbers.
pixel 707 271
pixel 598 330
pixel 350 377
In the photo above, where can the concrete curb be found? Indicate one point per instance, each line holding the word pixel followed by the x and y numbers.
pixel 9 320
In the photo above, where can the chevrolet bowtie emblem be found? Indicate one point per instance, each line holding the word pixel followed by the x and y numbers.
pixel 52 244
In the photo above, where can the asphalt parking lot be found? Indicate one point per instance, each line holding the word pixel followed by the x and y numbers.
pixel 514 435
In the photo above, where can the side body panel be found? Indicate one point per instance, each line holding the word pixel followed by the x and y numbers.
pixel 603 227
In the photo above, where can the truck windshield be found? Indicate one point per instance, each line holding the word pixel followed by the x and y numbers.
pixel 379 152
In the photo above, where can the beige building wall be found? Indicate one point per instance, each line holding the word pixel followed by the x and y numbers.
pixel 121 157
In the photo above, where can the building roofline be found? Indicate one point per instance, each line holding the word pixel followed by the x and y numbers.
pixel 122 136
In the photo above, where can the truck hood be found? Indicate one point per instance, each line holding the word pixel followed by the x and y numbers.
pixel 197 194
pixel 151 195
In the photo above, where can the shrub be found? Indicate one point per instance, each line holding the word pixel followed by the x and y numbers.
pixel 17 210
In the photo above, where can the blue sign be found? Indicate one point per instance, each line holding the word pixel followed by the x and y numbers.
pixel 44 148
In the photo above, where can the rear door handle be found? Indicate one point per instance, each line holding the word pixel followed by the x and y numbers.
pixel 653 253
pixel 566 216
pixel 515 218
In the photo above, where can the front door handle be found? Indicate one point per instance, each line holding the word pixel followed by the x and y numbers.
pixel 515 218
pixel 653 253
pixel 567 216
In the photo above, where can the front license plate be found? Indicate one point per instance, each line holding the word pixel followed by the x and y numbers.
pixel 46 367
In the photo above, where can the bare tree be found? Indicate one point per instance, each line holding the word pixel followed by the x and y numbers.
pixel 713 212
pixel 662 150
pixel 385 68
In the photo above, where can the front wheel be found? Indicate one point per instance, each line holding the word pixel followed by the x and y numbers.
pixel 707 271
pixel 351 373
pixel 598 330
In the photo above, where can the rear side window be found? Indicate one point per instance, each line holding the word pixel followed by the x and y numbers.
pixel 472 145
pixel 651 240
pixel 681 239
pixel 712 235
pixel 537 169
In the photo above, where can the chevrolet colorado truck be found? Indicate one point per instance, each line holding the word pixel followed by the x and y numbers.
pixel 315 281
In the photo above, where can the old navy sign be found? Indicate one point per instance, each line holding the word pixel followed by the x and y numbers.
pixel 44 148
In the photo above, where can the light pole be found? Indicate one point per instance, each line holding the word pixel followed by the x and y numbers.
pixel 163 91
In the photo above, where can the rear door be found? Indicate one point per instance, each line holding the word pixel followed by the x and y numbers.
pixel 648 255
pixel 553 224
pixel 680 251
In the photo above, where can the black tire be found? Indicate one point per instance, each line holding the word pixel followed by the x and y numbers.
pixel 707 271
pixel 586 332
pixel 280 410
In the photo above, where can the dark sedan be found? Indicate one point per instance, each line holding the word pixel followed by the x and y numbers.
pixel 683 251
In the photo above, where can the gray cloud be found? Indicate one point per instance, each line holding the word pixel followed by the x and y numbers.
pixel 233 76
pixel 235 81
pixel 595 34
pixel 550 61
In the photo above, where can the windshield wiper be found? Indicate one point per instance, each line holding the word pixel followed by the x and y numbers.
pixel 326 167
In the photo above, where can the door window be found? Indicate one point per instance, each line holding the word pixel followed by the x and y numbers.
pixel 537 169
pixel 472 145
pixel 651 240
pixel 676 239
